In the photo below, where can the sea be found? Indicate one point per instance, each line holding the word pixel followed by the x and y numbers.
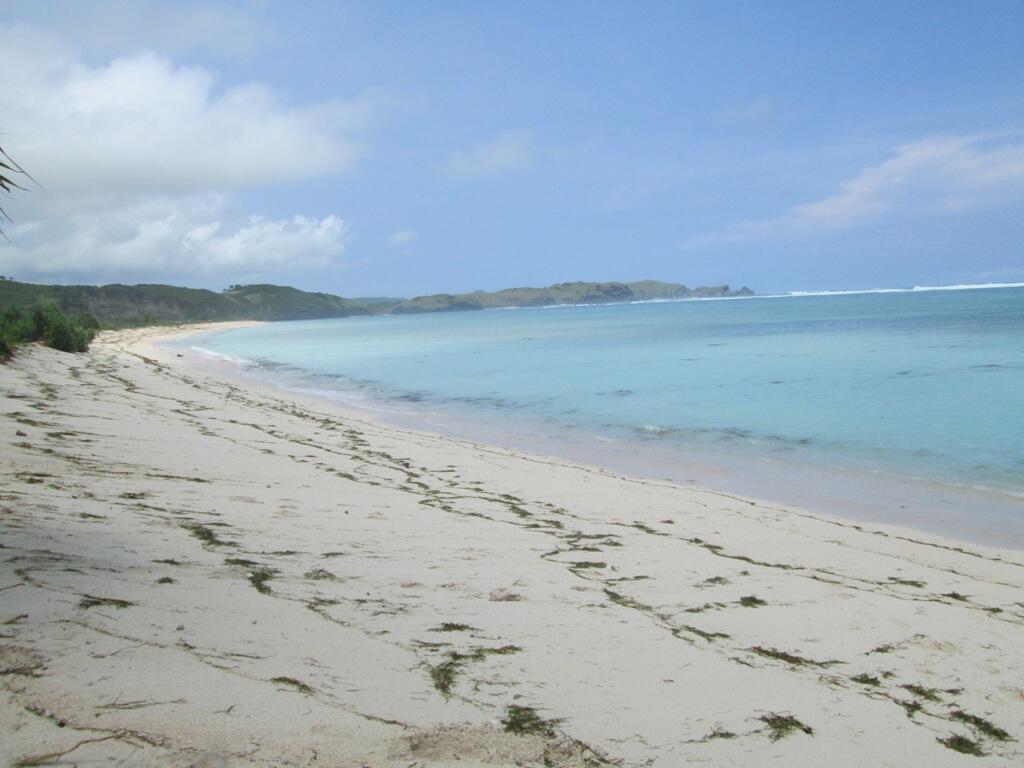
pixel 899 406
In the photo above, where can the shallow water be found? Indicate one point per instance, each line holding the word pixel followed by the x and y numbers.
pixel 889 385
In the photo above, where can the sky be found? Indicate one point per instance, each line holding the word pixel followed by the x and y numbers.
pixel 402 148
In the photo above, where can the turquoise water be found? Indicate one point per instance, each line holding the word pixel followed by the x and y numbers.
pixel 923 383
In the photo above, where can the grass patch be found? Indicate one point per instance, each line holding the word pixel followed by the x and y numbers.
pixel 206 535
pixel 928 694
pixel 789 658
pixel 781 726
pixel 866 679
pixel 752 601
pixel 177 477
pixel 431 646
pixel 715 581
pixel 317 604
pixel 525 720
pixel 444 675
pixel 258 574
pixel 701 608
pixel 294 684
pixel 910 707
pixel 626 602
pixel 92 601
pixel 647 529
pixel 319 574
pixel 709 636
pixel 719 733
pixel 58 435
pixel 259 577
pixel 981 725
pixel 504 596
pixel 479 654
pixel 906 582
pixel 449 626
pixel 962 744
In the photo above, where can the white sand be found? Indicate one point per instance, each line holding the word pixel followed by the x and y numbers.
pixel 627 627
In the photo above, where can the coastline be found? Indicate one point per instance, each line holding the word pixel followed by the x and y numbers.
pixel 317 554
pixel 866 494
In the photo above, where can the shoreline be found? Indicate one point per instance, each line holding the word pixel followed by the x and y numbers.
pixel 870 496
pixel 196 572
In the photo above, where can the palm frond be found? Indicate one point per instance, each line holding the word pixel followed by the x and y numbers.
pixel 9 168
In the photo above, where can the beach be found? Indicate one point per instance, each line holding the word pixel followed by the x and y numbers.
pixel 199 572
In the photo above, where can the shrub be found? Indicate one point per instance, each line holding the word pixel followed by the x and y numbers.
pixel 45 323
pixel 65 334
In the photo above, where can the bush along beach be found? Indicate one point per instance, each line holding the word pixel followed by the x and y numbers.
pixel 47 324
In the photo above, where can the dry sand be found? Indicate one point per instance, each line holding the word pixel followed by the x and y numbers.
pixel 194 572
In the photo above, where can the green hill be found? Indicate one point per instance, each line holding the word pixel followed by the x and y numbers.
pixel 121 305
pixel 563 293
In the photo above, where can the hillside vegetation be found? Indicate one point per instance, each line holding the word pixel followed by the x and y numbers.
pixel 132 305
pixel 564 293
pixel 125 305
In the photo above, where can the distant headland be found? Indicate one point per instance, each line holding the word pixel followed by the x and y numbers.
pixel 124 305
pixel 564 293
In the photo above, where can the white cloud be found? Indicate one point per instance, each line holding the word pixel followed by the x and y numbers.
pixel 401 237
pixel 139 122
pixel 170 237
pixel 935 174
pixel 510 150
pixel 140 159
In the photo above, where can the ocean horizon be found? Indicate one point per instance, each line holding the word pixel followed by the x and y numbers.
pixel 901 405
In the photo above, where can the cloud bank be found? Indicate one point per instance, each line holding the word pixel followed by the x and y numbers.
pixel 159 237
pixel 140 158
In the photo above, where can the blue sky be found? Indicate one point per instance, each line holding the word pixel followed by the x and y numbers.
pixel 409 148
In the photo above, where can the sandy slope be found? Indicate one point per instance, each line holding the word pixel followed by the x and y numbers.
pixel 194 573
